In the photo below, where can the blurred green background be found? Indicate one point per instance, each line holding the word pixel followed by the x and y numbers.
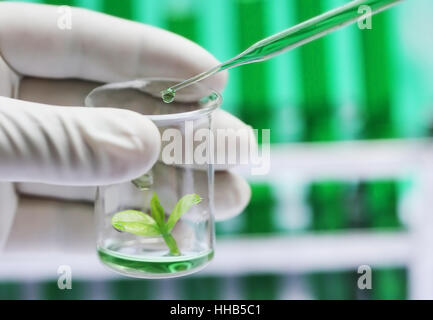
pixel 353 84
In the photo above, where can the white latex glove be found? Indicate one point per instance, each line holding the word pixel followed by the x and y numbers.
pixel 42 70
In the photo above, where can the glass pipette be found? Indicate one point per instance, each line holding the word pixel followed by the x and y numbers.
pixel 291 38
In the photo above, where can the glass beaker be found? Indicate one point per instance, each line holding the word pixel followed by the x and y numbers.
pixel 176 246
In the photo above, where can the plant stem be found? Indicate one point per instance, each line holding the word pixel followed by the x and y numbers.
pixel 171 244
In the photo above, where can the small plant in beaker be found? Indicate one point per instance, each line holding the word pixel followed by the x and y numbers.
pixel 153 242
pixel 143 224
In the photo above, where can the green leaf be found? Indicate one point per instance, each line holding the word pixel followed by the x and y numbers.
pixel 157 212
pixel 135 222
pixel 181 208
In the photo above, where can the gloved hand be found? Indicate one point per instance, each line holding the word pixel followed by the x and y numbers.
pixel 44 144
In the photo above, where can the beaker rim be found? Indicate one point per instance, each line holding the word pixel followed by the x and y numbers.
pixel 169 117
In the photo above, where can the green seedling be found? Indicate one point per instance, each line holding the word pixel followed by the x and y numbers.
pixel 142 224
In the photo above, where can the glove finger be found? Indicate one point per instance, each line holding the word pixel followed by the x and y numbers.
pixel 232 192
pixel 97 47
pixel 64 92
pixel 9 80
pixel 46 226
pixel 74 146
pixel 8 206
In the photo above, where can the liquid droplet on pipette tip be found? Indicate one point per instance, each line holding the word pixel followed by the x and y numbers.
pixel 168 95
